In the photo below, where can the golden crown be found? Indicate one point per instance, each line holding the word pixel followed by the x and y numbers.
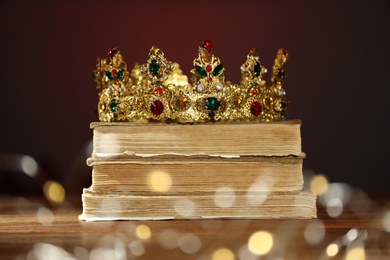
pixel 158 91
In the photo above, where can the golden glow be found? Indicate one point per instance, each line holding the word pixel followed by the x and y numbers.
pixel 319 184
pixel 159 181
pixel 356 253
pixel 261 243
pixel 222 254
pixel 332 250
pixel 54 192
pixel 143 232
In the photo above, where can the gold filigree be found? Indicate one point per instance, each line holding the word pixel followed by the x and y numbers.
pixel 158 90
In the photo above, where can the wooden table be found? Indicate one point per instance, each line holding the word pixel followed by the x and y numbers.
pixel 30 228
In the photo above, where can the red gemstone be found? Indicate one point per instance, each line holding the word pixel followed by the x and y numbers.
pixel 113 71
pixel 255 91
pixel 210 78
pixel 256 108
pixel 285 53
pixel 209 68
pixel 207 45
pixel 159 90
pixel 112 52
pixel 157 107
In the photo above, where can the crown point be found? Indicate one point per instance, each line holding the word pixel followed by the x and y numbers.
pixel 207 45
pixel 284 51
pixel 112 52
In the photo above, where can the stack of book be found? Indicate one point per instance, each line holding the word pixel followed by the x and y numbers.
pixel 212 170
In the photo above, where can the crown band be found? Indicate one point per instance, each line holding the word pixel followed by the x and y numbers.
pixel 158 91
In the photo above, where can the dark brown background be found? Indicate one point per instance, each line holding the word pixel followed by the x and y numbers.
pixel 337 75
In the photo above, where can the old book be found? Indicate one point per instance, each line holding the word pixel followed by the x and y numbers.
pixel 99 206
pixel 221 170
pixel 197 174
pixel 121 139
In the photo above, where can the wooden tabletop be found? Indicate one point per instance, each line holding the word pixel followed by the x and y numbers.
pixel 31 228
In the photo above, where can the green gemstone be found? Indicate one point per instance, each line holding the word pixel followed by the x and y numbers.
pixel 201 71
pixel 120 74
pixel 212 104
pixel 257 69
pixel 154 67
pixel 109 74
pixel 218 70
pixel 113 105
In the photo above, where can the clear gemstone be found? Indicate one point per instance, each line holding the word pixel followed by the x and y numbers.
pixel 219 86
pixel 200 87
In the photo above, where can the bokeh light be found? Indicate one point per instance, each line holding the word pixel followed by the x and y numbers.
pixel 168 238
pixel 356 252
pixel 185 208
pixel 159 181
pixel 143 231
pixel 259 190
pixel 45 216
pixel 223 254
pixel 189 243
pixel 54 192
pixel 136 248
pixel 319 184
pixel 224 197
pixel 261 243
pixel 29 165
pixel 334 207
pixel 45 251
pixel 314 232
pixel 332 249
